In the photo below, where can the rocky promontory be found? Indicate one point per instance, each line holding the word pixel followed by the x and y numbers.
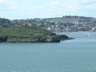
pixel 26 34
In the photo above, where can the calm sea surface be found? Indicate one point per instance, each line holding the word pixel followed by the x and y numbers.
pixel 77 55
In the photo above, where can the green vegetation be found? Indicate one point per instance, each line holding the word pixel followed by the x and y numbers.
pixel 27 34
pixel 58 24
pixel 5 22
pixel 63 36
pixel 24 31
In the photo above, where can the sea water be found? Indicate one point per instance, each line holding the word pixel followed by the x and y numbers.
pixel 76 55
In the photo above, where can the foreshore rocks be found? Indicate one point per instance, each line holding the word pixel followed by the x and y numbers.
pixel 54 38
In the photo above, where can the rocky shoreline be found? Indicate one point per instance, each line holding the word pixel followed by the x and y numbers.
pixel 28 34
pixel 5 40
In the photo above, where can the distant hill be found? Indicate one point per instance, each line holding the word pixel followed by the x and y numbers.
pixel 28 34
pixel 58 24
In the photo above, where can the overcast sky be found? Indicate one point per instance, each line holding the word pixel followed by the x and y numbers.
pixel 23 9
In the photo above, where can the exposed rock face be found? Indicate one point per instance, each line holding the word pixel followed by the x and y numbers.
pixel 3 39
pixel 14 40
pixel 55 39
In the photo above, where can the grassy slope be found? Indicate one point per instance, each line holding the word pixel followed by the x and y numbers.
pixel 29 33
pixel 25 32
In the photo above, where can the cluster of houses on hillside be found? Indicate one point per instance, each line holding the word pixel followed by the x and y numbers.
pixel 59 24
pixel 70 24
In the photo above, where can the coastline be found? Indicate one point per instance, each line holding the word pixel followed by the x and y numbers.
pixel 38 41
pixel 66 39
pixel 27 34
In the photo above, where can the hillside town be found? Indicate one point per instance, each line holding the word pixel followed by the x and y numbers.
pixel 58 24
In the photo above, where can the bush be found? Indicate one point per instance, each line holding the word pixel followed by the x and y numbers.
pixel 63 36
